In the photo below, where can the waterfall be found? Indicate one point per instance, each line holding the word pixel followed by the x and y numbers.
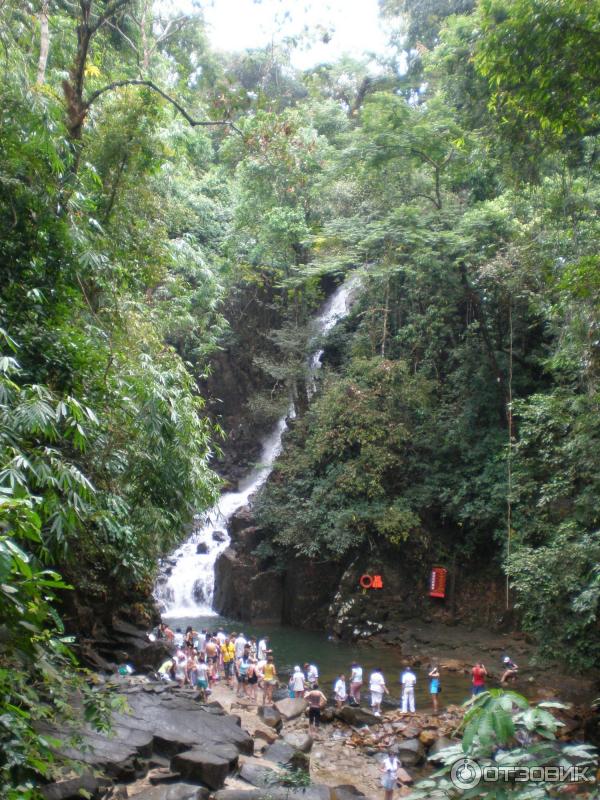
pixel 189 588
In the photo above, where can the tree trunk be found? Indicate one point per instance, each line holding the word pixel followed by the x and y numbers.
pixel 44 43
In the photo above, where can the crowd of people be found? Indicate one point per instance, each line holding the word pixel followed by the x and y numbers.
pixel 247 665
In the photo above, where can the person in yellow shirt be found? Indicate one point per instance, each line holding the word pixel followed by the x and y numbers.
pixel 228 653
pixel 269 674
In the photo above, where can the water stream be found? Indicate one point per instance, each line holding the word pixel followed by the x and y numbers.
pixel 189 588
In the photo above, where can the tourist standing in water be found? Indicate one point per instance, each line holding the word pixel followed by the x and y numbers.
pixel 312 674
pixel 269 680
pixel 408 680
pixel 434 686
pixel 316 701
pixel 389 768
pixel 356 680
pixel 339 691
pixel 263 646
pixel 478 674
pixel 298 686
pixel 377 688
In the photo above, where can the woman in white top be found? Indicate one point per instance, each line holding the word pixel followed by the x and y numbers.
pixel 356 680
pixel 378 689
pixel 297 682
pixel 389 768
pixel 339 691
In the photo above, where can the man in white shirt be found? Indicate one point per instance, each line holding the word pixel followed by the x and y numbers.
pixel 221 636
pixel 408 680
pixel 377 688
pixel 240 643
pixel 298 682
pixel 263 646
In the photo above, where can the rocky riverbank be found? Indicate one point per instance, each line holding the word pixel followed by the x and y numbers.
pixel 169 743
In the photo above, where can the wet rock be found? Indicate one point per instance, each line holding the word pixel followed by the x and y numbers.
pixel 327 714
pixel 354 715
pixel 437 746
pixel 178 791
pixel 201 548
pixel 267 735
pixel 299 741
pixel 290 708
pixel 271 717
pixel 241 519
pixel 219 536
pixel 198 591
pixel 411 752
pixel 202 766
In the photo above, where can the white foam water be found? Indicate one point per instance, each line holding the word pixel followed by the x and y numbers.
pixel 189 589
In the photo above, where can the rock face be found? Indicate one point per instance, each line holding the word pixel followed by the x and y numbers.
pixel 180 791
pixel 163 723
pixel 411 752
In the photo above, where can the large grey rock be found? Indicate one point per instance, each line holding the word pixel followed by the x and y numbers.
pixel 299 740
pixel 283 753
pixel 256 775
pixel 354 715
pixel 316 792
pixel 177 791
pixel 176 722
pixel 291 707
pixel 70 789
pixel 436 747
pixel 271 717
pixel 411 752
pixel 202 766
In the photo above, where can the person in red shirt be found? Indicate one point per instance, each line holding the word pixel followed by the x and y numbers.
pixel 479 673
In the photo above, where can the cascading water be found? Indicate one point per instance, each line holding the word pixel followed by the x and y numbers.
pixel 189 588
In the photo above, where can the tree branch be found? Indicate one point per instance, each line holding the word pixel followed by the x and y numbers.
pixel 117 5
pixel 151 85
pixel 44 43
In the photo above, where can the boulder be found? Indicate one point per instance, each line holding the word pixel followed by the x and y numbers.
pixel 299 741
pixel 354 715
pixel 291 707
pixel 271 717
pixel 219 536
pixel 178 791
pixel 201 549
pixel 268 735
pixel 198 591
pixel 439 744
pixel 280 753
pixel 202 766
pixel 411 752
pixel 71 789
pixel 256 775
pixel 428 736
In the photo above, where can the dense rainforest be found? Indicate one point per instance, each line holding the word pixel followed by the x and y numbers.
pixel 164 205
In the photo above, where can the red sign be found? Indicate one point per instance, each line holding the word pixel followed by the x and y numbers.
pixel 371 582
pixel 437 582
